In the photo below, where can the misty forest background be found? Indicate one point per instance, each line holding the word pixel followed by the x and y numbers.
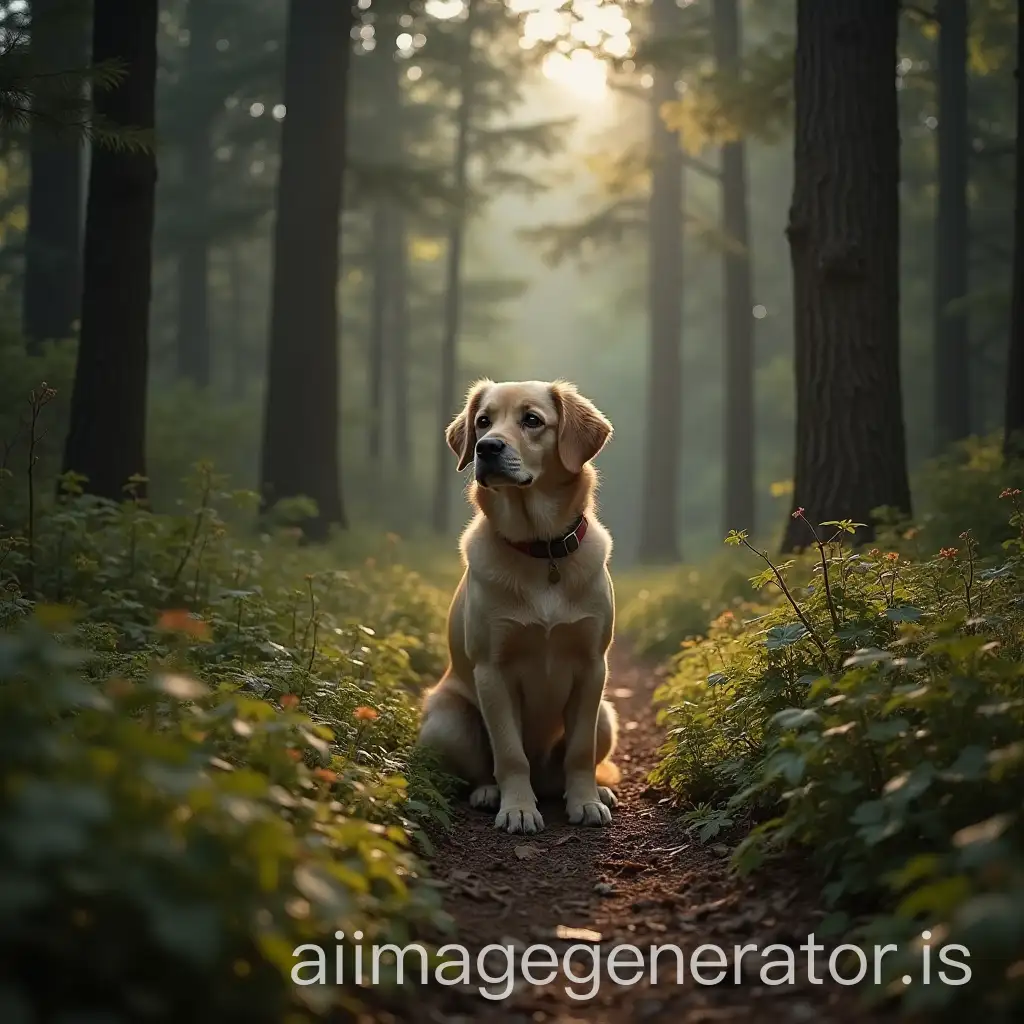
pixel 252 252
pixel 513 206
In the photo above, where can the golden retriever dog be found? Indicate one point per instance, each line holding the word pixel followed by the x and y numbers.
pixel 520 711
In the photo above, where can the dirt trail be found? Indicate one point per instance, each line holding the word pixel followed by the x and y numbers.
pixel 642 882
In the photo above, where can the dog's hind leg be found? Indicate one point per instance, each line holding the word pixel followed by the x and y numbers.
pixel 453 727
pixel 550 779
pixel 607 772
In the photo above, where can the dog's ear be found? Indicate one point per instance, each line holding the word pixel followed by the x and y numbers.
pixel 583 429
pixel 461 435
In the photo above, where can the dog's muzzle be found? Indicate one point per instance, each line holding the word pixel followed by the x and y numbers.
pixel 496 461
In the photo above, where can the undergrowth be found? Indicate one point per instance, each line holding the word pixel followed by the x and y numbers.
pixel 206 753
pixel 872 715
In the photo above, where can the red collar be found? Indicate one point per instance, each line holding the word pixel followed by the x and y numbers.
pixel 559 547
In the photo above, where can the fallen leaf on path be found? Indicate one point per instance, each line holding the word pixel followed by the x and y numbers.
pixel 527 851
pixel 581 934
pixel 562 840
pixel 671 851
pixel 604 888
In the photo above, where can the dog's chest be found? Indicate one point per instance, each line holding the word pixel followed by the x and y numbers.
pixel 544 630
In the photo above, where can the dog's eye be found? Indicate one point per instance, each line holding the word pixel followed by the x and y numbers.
pixel 483 422
pixel 532 420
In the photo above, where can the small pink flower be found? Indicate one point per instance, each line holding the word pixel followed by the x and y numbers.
pixel 949 553
pixel 799 513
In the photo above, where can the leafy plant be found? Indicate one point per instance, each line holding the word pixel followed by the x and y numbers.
pixel 874 713
pixel 206 753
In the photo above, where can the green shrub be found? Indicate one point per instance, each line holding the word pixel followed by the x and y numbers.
pixel 207 758
pixel 184 425
pixel 874 716
pixel 187 425
pixel 659 612
pixel 954 492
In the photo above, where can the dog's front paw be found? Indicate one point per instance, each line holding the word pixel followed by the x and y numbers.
pixel 525 819
pixel 589 812
pixel 485 797
pixel 608 798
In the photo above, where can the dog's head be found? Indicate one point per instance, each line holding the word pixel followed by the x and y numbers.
pixel 522 433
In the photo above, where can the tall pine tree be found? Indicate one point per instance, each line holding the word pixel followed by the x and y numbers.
pixel 1013 442
pixel 107 431
pixel 659 515
pixel 739 503
pixel 299 455
pixel 844 242
pixel 53 245
pixel 952 413
pixel 197 181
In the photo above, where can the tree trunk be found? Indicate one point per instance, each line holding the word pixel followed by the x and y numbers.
pixel 301 423
pixel 1013 441
pixel 952 412
pixel 739 506
pixel 844 242
pixel 389 328
pixel 53 244
pixel 380 303
pixel 197 181
pixel 240 357
pixel 389 319
pixel 659 523
pixel 107 429
pixel 453 278
pixel 402 433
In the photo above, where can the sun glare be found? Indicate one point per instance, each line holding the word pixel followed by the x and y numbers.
pixel 580 72
pixel 586 34
pixel 444 10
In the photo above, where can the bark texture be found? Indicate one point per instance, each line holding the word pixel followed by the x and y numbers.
pixel 1013 443
pixel 107 431
pixel 952 413
pixel 739 508
pixel 300 450
pixel 844 243
pixel 659 516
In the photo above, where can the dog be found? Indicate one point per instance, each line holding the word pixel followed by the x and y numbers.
pixel 520 711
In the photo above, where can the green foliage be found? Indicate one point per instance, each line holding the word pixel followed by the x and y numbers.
pixel 56 99
pixel 660 611
pixel 181 426
pixel 206 747
pixel 954 492
pixel 875 715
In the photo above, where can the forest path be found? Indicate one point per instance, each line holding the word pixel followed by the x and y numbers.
pixel 641 881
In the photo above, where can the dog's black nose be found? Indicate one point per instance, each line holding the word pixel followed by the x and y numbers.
pixel 489 447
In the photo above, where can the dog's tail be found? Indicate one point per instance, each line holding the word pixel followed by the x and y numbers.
pixel 608 773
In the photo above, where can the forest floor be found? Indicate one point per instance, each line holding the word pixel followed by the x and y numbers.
pixel 643 882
